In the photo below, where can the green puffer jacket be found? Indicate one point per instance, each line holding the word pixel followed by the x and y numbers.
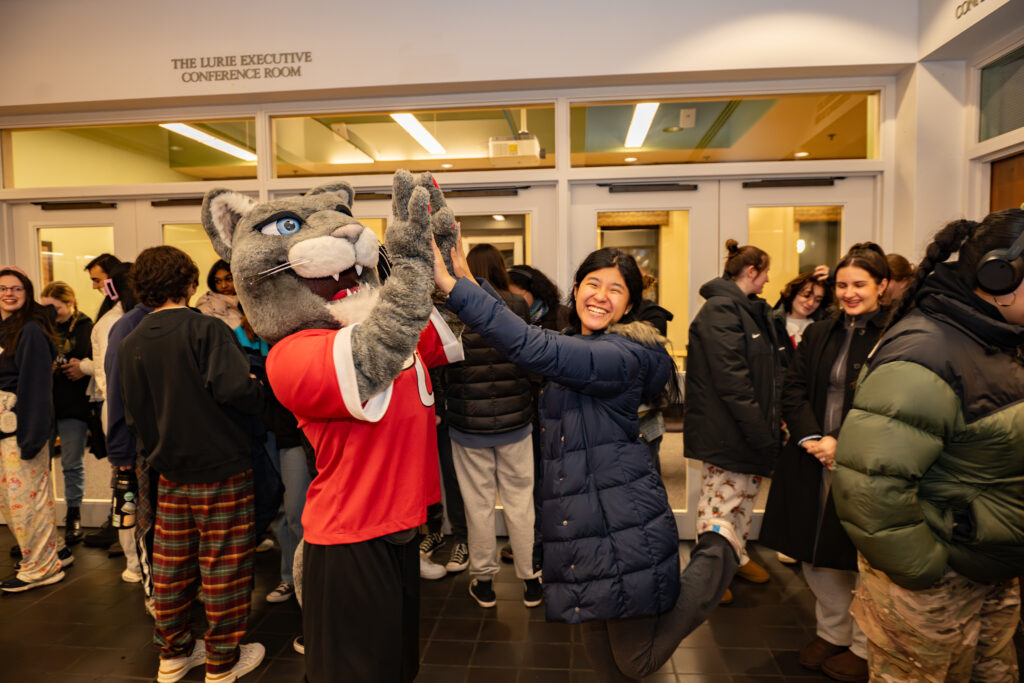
pixel 930 462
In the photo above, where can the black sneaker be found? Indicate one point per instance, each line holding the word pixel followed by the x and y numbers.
pixel 533 594
pixel 506 553
pixel 64 554
pixel 431 542
pixel 104 537
pixel 115 550
pixel 459 558
pixel 483 593
pixel 16 585
pixel 16 551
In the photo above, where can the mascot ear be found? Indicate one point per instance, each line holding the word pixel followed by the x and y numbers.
pixel 222 209
pixel 342 190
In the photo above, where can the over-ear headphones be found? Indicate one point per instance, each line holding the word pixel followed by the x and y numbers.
pixel 1001 270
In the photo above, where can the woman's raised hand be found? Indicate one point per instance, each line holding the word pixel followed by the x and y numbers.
pixel 444 280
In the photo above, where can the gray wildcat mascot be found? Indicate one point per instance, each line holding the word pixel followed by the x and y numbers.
pixel 350 359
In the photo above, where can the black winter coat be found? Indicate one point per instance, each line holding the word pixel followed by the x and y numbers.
pixel 74 341
pixel 486 393
pixel 732 377
pixel 795 522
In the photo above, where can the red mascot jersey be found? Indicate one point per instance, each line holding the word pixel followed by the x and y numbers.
pixel 376 462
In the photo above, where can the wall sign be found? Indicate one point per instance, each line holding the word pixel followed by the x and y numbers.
pixel 242 67
pixel 965 6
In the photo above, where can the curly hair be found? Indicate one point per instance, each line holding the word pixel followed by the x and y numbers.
pixel 794 286
pixel 162 274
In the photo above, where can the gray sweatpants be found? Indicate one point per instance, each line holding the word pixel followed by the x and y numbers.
pixel 623 650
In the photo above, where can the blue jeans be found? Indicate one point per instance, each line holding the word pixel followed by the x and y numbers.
pixel 291 465
pixel 72 434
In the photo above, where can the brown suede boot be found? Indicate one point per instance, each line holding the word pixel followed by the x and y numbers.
pixel 814 653
pixel 753 572
pixel 847 667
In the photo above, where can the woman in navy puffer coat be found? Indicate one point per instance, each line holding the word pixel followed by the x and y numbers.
pixel 609 540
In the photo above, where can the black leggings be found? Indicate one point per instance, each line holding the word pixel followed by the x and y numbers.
pixel 623 650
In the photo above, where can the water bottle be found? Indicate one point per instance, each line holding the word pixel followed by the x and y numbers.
pixel 126 492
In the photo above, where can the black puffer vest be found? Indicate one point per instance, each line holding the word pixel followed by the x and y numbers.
pixel 486 393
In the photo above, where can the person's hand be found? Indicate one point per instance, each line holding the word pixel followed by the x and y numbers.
pixel 72 370
pixel 820 273
pixel 823 449
pixel 459 262
pixel 442 278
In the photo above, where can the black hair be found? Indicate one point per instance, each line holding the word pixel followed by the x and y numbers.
pixel 211 280
pixel 120 276
pixel 867 256
pixel 740 257
pixel 796 285
pixel 486 261
pixel 104 261
pixel 32 311
pixel 972 240
pixel 536 283
pixel 609 257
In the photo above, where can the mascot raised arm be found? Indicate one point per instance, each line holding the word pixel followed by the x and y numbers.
pixel 350 358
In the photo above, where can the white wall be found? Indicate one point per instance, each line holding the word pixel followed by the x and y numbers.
pixel 67 51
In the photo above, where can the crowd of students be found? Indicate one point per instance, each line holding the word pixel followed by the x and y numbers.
pixel 883 401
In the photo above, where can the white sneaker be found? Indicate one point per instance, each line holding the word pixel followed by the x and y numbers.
pixel 431 570
pixel 282 593
pixel 150 605
pixel 177 668
pixel 128 576
pixel 250 656
pixel 785 559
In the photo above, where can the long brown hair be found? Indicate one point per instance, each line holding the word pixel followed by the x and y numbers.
pixel 32 311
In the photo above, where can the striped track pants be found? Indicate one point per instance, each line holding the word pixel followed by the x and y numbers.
pixel 203 531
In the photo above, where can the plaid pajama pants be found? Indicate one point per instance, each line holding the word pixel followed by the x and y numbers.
pixel 203 531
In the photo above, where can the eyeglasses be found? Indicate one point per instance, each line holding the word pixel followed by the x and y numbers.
pixel 17 289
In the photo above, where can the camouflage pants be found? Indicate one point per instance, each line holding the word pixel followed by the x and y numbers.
pixel 956 630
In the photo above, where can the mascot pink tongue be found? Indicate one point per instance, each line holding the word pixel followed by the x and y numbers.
pixel 350 358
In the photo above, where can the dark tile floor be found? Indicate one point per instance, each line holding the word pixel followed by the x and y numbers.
pixel 92 627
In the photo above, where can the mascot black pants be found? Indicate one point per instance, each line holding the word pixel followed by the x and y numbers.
pixel 360 611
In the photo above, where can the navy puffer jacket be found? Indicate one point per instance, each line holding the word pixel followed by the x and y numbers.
pixel 609 540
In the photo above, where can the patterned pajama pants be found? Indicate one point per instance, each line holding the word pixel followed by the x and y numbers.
pixel 728 497
pixel 956 630
pixel 26 498
pixel 203 531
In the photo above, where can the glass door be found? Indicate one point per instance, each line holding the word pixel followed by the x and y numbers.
pixel 672 230
pixel 801 224
pixel 55 242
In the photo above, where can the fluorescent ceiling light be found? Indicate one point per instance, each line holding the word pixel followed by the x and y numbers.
pixel 629 159
pixel 498 217
pixel 643 115
pixel 801 155
pixel 210 141
pixel 447 165
pixel 414 128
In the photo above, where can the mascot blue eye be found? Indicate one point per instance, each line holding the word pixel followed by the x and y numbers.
pixel 282 226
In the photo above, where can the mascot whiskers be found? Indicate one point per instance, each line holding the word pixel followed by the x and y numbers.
pixel 350 358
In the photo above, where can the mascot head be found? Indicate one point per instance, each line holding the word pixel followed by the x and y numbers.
pixel 298 263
